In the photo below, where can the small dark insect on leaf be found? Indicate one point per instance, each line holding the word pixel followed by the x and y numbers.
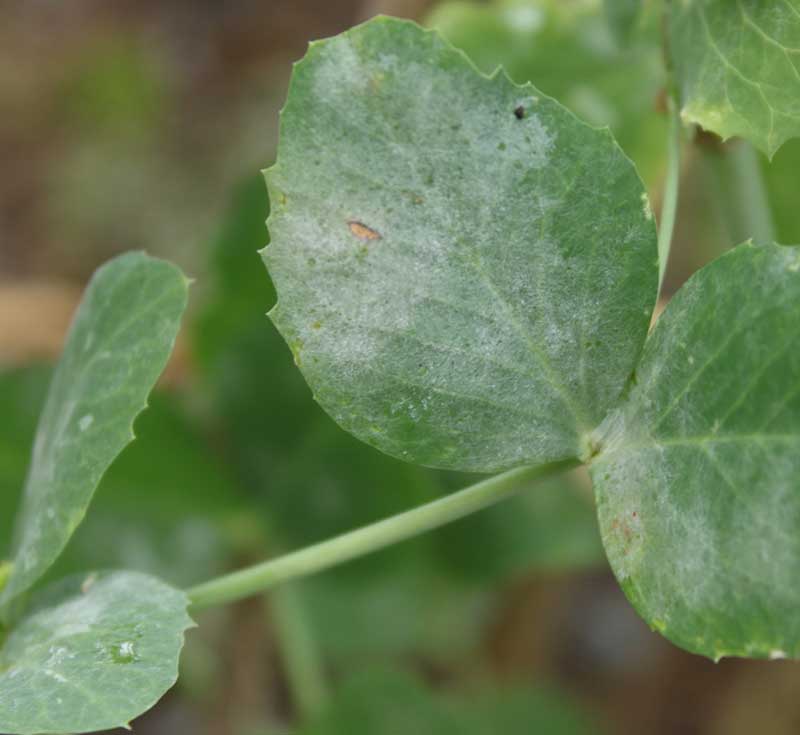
pixel 362 232
pixel 519 112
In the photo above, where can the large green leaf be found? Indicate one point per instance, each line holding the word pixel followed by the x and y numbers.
pixel 95 652
pixel 465 270
pixel 737 64
pixel 117 347
pixel 697 481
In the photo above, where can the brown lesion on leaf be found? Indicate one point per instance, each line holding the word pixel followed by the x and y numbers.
pixel 376 81
pixel 626 529
pixel 362 232
pixel 414 197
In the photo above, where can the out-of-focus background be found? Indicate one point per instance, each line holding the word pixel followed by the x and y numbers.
pixel 138 124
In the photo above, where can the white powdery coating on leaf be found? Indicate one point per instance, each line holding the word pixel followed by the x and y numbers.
pixel 438 252
pixel 705 453
pixel 100 654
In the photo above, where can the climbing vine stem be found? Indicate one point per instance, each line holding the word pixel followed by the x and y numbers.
pixel 751 203
pixel 354 544
pixel 304 669
pixel 669 204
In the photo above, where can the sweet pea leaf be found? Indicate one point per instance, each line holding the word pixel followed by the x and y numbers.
pixel 697 479
pixel 92 654
pixel 465 270
pixel 737 65
pixel 117 347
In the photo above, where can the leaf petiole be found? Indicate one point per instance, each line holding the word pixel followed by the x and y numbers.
pixel 669 204
pixel 751 202
pixel 5 573
pixel 351 545
pixel 302 663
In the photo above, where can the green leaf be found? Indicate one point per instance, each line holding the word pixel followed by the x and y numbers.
pixel 737 65
pixel 697 479
pixel 94 653
pixel 467 281
pixel 117 347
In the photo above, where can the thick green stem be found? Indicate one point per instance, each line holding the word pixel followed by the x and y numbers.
pixel 741 195
pixel 5 573
pixel 357 543
pixel 299 652
pixel 750 199
pixel 669 204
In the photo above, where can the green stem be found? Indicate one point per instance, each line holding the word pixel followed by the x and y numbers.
pixel 750 194
pixel 299 652
pixel 5 573
pixel 357 543
pixel 669 204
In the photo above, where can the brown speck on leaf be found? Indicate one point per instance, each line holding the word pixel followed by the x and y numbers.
pixel 519 112
pixel 87 583
pixel 362 232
